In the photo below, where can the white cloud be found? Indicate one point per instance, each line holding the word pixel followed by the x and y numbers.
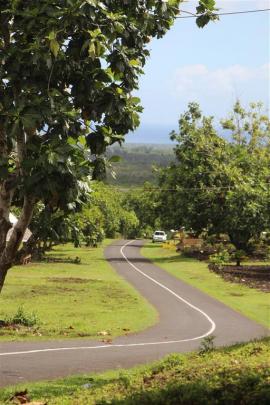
pixel 217 89
pixel 198 81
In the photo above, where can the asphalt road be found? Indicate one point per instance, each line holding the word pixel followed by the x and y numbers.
pixel 186 316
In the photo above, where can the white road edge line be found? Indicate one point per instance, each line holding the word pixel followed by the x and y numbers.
pixel 213 325
pixel 58 349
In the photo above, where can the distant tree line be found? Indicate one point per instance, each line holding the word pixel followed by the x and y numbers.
pixel 137 163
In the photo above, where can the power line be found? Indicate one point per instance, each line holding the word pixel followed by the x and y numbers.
pixel 225 13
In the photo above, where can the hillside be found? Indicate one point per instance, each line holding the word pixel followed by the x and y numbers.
pixel 137 162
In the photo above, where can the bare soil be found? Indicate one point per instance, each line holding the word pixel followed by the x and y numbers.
pixel 253 276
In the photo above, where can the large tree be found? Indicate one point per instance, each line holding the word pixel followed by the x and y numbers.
pixel 220 185
pixel 67 71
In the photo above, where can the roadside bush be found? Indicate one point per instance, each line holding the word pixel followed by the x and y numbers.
pixel 169 245
pixel 220 258
pixel 194 252
pixel 94 238
pixel 23 318
pixel 239 256
pixel 207 345
pixel 146 232
pixel 261 250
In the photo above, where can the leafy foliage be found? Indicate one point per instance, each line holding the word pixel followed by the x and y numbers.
pixel 220 186
pixel 23 318
pixel 145 203
pixel 103 214
pixel 220 258
pixel 66 79
pixel 67 73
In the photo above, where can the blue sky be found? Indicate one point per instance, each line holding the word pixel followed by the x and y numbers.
pixel 226 60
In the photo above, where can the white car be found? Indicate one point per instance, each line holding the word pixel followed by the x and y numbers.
pixel 159 236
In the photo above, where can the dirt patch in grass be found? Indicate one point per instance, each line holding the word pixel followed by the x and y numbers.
pixel 69 280
pixel 35 291
pixel 21 329
pixel 44 290
pixel 236 294
pixel 262 285
pixel 252 276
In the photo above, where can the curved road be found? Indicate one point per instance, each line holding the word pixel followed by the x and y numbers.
pixel 186 316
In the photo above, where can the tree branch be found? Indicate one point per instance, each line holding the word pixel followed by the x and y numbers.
pixel 4 29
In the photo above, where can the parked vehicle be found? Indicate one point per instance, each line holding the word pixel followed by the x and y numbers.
pixel 159 236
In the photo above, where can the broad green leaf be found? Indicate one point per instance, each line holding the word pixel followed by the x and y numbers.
pixel 92 50
pixel 115 159
pixel 54 47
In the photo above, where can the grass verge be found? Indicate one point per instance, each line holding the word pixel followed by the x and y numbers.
pixel 71 300
pixel 250 302
pixel 236 375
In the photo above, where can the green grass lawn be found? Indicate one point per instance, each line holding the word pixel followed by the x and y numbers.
pixel 73 300
pixel 229 376
pixel 250 302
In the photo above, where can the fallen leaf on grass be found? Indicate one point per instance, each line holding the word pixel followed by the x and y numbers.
pixel 103 333
pixel 20 397
pixel 109 341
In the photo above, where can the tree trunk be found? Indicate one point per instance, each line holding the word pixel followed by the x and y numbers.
pixel 5 225
pixel 240 240
pixel 8 254
pixel 29 247
pixel 3 272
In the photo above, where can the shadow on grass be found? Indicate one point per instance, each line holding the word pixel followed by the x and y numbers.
pixel 171 259
pixel 56 254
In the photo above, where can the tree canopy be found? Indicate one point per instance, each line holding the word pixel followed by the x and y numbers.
pixel 219 185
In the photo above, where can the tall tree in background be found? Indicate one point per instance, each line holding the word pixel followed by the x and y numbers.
pixel 248 200
pixel 219 185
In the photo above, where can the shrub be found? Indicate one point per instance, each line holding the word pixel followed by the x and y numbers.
pixel 239 256
pixel 207 345
pixel 220 258
pixel 146 232
pixel 23 318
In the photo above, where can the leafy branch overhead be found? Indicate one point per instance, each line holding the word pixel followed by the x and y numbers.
pixel 207 12
pixel 67 71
